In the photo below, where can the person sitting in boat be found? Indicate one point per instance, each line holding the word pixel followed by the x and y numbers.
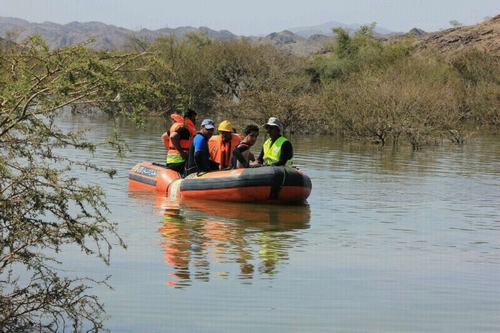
pixel 198 156
pixel 241 154
pixel 277 150
pixel 178 139
pixel 221 146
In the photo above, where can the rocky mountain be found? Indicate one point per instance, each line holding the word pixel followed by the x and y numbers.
pixel 112 37
pixel 106 36
pixel 295 44
pixel 299 41
pixel 326 29
pixel 484 36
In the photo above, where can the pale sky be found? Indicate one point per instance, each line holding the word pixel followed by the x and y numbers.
pixel 255 17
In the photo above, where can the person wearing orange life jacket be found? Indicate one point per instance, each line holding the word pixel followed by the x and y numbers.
pixel 277 150
pixel 221 146
pixel 178 139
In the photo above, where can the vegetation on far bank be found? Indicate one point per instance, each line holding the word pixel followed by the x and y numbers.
pixel 363 88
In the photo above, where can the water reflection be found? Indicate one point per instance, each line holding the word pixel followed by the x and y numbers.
pixel 203 240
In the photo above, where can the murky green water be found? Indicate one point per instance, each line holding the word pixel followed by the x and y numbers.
pixel 390 242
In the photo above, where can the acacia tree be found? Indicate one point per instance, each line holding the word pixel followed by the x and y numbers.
pixel 413 99
pixel 253 82
pixel 181 64
pixel 479 89
pixel 43 205
pixel 189 68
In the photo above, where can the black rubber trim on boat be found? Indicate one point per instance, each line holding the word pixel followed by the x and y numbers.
pixel 249 177
pixel 276 177
pixel 277 183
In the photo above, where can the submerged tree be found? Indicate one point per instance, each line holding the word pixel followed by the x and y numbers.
pixel 43 205
pixel 252 82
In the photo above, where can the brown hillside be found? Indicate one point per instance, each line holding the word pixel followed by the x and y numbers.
pixel 484 36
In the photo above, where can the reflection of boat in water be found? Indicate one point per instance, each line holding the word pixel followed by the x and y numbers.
pixel 204 239
pixel 280 218
pixel 270 184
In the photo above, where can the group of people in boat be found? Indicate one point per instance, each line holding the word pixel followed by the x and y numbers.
pixel 190 151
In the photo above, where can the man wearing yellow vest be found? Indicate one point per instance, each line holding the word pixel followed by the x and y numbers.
pixel 221 146
pixel 277 150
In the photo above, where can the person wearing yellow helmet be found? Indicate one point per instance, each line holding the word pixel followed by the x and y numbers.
pixel 221 146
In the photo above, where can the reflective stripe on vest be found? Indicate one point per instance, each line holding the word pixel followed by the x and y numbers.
pixel 173 156
pixel 272 152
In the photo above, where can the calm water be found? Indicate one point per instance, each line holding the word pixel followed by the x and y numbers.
pixel 389 242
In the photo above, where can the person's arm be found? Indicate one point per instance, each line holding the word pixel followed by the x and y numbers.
pixel 200 149
pixel 166 138
pixel 175 138
pixel 260 159
pixel 286 153
pixel 238 153
pixel 198 160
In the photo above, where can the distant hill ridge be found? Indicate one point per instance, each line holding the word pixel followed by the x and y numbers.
pixel 298 41
pixel 106 36
pixel 326 29
pixel 301 41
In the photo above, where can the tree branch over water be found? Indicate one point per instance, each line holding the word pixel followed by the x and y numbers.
pixel 45 208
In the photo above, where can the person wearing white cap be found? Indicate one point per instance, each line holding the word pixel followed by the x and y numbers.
pixel 277 150
pixel 198 156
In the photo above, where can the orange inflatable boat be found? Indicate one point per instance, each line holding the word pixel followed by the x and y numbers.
pixel 268 184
